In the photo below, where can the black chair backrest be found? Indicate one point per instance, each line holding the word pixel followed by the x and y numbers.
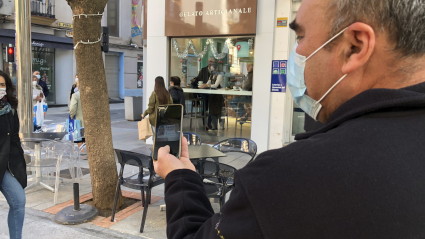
pixel 131 158
pixel 238 145
pixel 217 172
pixel 192 139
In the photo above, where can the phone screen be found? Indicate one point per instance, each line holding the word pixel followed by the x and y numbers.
pixel 168 129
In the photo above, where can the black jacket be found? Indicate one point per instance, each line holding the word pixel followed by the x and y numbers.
pixel 362 175
pixel 45 87
pixel 11 153
pixel 177 94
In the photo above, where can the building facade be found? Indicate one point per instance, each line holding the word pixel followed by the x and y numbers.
pixel 237 34
pixel 53 49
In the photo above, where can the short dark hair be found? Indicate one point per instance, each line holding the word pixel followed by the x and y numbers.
pixel 176 80
pixel 402 20
pixel 10 90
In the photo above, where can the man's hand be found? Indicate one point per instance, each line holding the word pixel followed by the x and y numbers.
pixel 167 162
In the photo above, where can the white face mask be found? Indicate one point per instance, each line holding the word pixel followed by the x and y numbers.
pixel 296 81
pixel 75 89
pixel 34 83
pixel 76 79
pixel 2 93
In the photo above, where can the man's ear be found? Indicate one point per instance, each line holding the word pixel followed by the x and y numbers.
pixel 358 45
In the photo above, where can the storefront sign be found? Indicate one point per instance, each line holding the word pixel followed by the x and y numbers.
pixel 278 76
pixel 37 44
pixel 135 25
pixel 282 22
pixel 67 25
pixel 206 17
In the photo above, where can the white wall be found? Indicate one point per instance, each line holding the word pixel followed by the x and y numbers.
pixel 157 49
pixel 280 115
pixel 63 12
pixel 64 74
pixel 262 73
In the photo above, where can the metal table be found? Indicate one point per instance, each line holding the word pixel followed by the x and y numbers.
pixel 37 139
pixel 202 151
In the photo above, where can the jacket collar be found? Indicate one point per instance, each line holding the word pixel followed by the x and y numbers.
pixel 370 101
pixel 176 87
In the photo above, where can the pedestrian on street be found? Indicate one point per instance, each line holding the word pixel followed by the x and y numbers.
pixel 73 86
pixel 37 96
pixel 13 174
pixel 358 66
pixel 42 83
pixel 160 96
pixel 75 110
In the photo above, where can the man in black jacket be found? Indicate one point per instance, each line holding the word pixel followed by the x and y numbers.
pixel 359 176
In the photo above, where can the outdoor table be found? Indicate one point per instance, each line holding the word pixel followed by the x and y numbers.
pixel 37 139
pixel 217 92
pixel 202 151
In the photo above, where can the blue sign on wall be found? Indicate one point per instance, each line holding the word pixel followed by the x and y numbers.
pixel 278 76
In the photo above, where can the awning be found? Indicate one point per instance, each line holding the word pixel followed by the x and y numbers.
pixel 7 36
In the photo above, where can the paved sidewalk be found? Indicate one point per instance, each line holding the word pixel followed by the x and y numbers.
pixel 39 224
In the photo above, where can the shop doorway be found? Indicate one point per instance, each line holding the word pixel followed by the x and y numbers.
pixel 112 71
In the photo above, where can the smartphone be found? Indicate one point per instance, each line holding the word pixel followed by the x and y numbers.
pixel 168 129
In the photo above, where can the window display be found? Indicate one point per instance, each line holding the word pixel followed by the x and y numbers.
pixel 218 72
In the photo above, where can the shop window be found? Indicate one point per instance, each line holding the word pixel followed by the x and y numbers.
pixel 113 17
pixel 220 72
pixel 43 60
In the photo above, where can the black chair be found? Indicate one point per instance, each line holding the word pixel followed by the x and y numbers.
pixel 237 145
pixel 218 178
pixel 192 139
pixel 139 183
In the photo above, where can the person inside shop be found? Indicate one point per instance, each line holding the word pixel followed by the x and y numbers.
pixel 160 96
pixel 42 83
pixel 74 86
pixel 216 101
pixel 202 78
pixel 176 91
pixel 359 176
pixel 13 172
pixel 246 86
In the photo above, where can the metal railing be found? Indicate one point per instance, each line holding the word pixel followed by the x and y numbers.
pixel 43 8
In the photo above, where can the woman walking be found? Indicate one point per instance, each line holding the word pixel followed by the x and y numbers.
pixel 160 96
pixel 13 175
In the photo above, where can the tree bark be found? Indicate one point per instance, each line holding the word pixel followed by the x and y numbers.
pixel 95 102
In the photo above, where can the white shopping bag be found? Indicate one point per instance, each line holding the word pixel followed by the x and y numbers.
pixel 39 114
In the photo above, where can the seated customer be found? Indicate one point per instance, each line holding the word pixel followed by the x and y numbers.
pixel 247 86
pixel 176 91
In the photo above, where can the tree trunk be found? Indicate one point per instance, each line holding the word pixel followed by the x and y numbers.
pixel 95 102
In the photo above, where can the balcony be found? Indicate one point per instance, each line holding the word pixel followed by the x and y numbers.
pixel 43 12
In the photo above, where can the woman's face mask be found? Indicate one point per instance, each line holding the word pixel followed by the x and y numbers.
pixel 34 83
pixel 3 93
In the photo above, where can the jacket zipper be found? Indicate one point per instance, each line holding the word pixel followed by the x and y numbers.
pixel 8 167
